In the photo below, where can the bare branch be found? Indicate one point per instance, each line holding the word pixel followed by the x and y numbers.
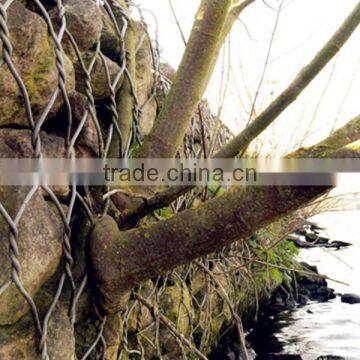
pixel 240 143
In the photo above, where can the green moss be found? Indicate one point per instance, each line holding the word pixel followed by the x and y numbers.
pixel 37 79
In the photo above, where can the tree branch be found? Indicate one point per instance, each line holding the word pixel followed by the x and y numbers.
pixel 240 143
pixel 123 260
pixel 340 138
pixel 136 209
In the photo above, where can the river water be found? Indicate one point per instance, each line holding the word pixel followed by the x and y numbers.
pixel 331 328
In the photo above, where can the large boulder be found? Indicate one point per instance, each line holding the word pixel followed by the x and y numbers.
pixel 39 246
pixel 99 82
pixel 34 59
pixel 17 143
pixel 19 340
pixel 39 237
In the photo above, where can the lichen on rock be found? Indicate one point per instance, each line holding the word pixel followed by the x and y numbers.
pixel 34 59
pixel 39 246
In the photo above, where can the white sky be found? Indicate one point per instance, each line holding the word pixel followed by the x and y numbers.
pixel 303 28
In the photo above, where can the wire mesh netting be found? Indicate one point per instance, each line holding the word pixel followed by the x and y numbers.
pixel 27 30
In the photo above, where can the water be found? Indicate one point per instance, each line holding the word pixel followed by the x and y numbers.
pixel 331 328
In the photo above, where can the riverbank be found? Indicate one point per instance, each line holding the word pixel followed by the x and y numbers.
pixel 317 328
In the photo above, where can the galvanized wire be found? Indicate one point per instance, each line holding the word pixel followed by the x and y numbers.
pixel 78 200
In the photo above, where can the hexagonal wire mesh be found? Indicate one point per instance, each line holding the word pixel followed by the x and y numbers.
pixel 59 33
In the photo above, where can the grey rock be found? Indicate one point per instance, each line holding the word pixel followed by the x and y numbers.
pixel 39 237
pixel 87 143
pixel 17 143
pixel 337 244
pixel 99 83
pixel 323 294
pixel 39 244
pixel 83 19
pixel 303 299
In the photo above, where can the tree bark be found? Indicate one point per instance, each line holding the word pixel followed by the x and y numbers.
pixel 240 143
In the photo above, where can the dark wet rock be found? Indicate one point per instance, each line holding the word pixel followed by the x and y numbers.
pixel 350 299
pixel 302 299
pixel 311 237
pixel 301 232
pixel 330 357
pixel 34 59
pixel 323 294
pixel 338 244
pixel 302 244
pixel 308 267
pixel 314 226
pixel 314 238
pixel 290 304
pixel 311 234
pixel 99 83
pixel 312 286
pixel 322 240
pixel 309 288
pixel 284 357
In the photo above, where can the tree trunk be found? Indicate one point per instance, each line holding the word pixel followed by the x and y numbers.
pixel 190 82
